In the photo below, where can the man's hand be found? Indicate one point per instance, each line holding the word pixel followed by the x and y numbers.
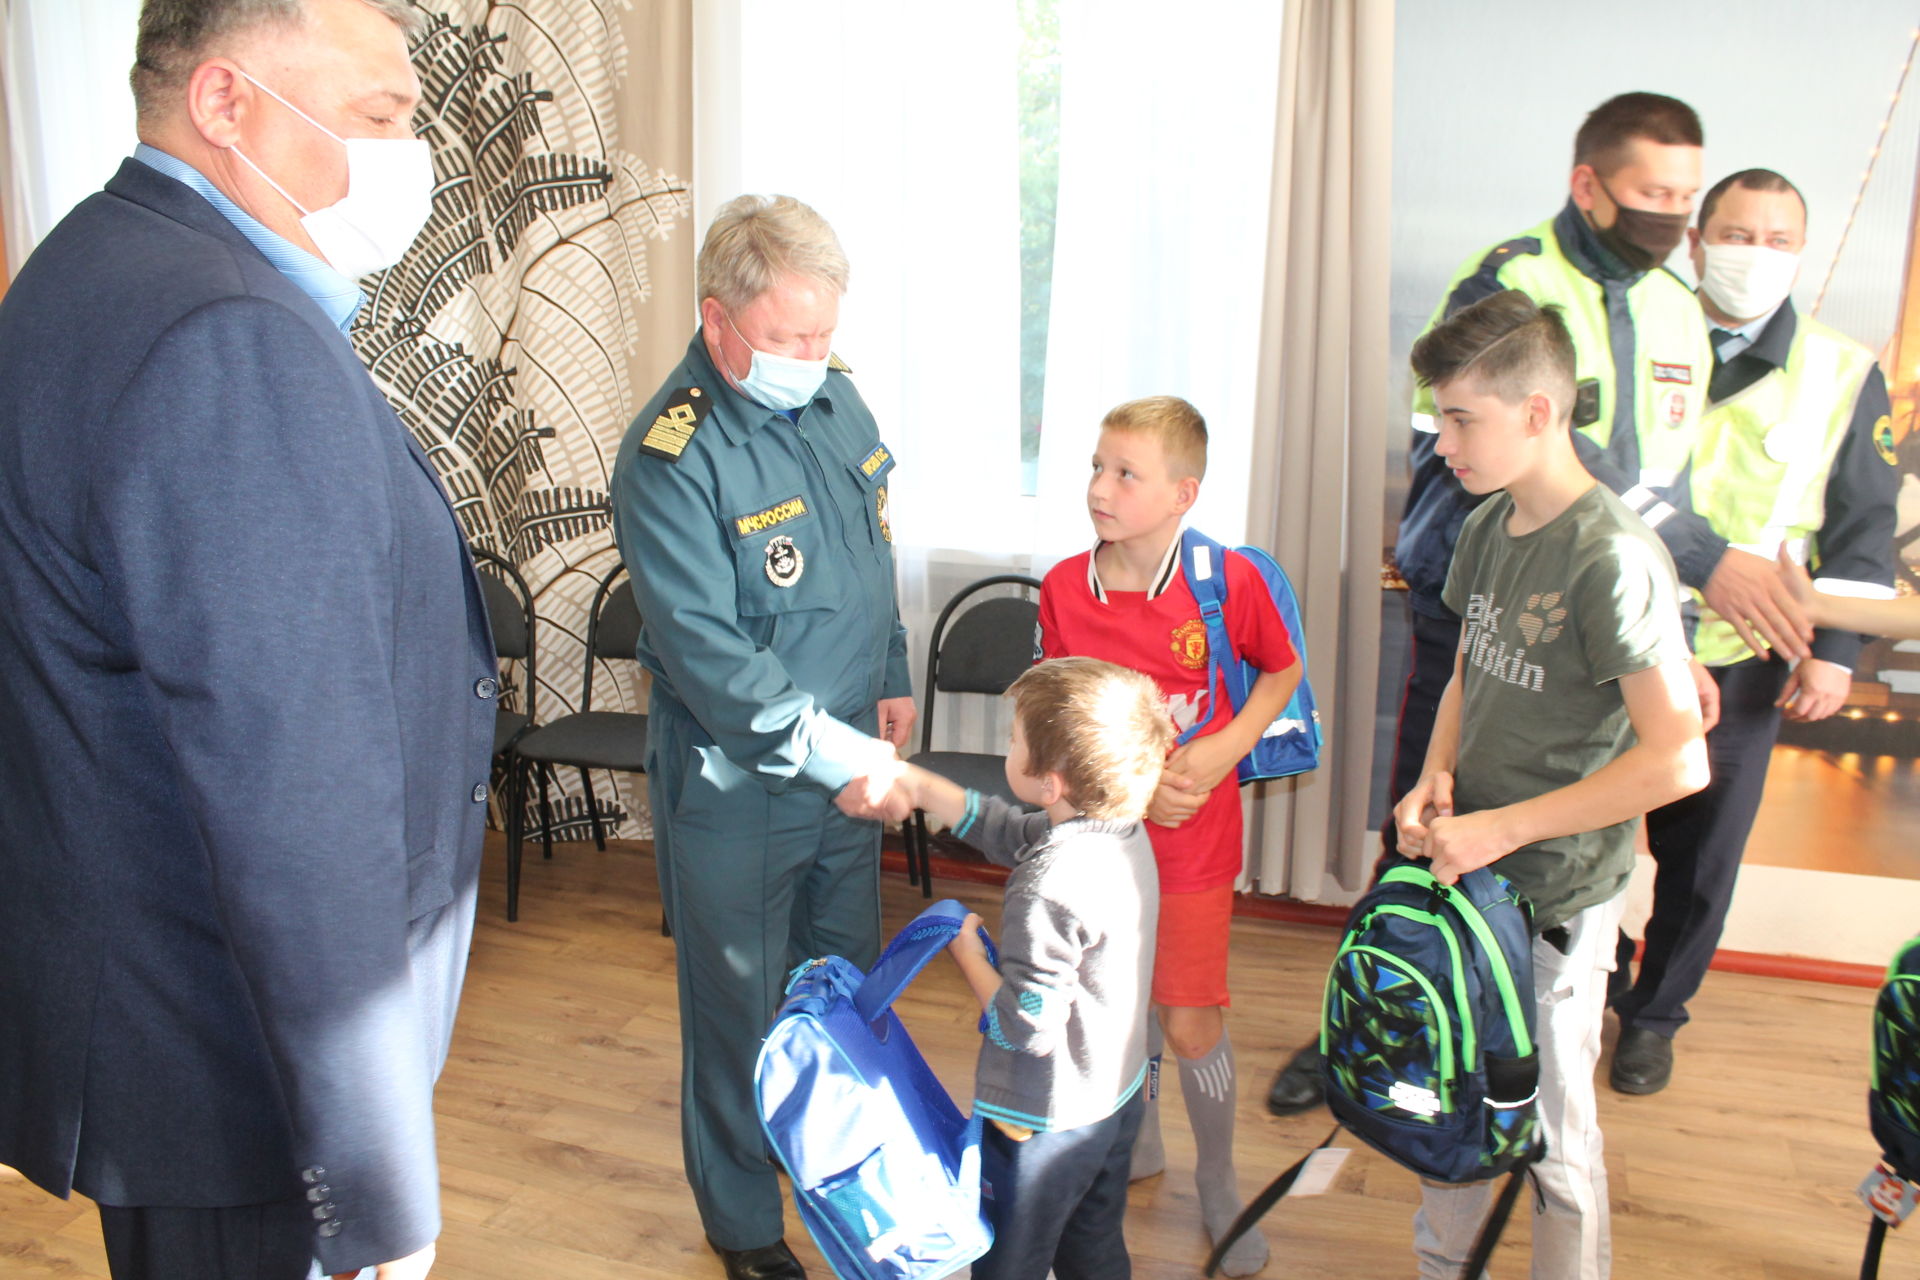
pixel 879 790
pixel 1815 690
pixel 1708 690
pixel 1431 798
pixel 1746 590
pixel 1466 843
pixel 896 720
pixel 412 1267
pixel 1175 800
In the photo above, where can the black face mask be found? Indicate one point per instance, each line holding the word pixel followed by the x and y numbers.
pixel 1639 237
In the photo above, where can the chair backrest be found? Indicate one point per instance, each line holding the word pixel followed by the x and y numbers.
pixel 981 650
pixel 510 615
pixel 613 627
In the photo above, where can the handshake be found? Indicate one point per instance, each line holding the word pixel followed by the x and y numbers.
pixel 882 786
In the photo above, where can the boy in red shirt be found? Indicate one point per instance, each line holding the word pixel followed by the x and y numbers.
pixel 1127 602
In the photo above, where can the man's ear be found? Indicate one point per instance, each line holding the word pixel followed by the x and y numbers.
pixel 712 314
pixel 220 101
pixel 1584 187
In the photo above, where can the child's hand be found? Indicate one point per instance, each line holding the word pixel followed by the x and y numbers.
pixel 1799 586
pixel 1175 800
pixel 1431 798
pixel 967 944
pixel 1204 761
pixel 1466 843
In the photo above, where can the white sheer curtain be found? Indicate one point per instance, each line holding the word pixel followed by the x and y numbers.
pixel 69 113
pixel 898 122
pixel 1166 156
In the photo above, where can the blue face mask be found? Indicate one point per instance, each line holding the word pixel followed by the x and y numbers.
pixel 779 382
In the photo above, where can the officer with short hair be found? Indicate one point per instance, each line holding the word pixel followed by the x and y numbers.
pixel 1793 453
pixel 750 505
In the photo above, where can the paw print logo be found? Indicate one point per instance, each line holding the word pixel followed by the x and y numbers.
pixel 1544 618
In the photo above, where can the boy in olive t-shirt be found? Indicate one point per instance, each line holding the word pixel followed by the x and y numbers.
pixel 1571 712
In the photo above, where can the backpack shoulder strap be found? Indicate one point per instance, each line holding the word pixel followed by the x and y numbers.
pixel 1258 1207
pixel 1204 562
pixel 924 937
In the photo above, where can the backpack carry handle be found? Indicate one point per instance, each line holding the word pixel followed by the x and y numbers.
pixel 924 937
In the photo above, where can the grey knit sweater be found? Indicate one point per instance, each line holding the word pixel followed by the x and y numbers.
pixel 1066 1036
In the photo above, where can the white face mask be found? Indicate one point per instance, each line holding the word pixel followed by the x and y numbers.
pixel 779 382
pixel 389 198
pixel 1746 281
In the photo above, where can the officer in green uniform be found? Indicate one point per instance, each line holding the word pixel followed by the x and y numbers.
pixel 1641 371
pixel 750 505
pixel 1792 455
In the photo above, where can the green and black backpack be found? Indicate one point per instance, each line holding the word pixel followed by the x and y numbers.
pixel 1893 1100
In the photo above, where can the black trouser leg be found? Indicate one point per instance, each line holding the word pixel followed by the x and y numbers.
pixel 1697 843
pixel 247 1242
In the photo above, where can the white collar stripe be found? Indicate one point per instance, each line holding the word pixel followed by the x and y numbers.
pixel 1162 579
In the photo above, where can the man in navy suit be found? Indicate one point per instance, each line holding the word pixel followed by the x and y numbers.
pixel 248 692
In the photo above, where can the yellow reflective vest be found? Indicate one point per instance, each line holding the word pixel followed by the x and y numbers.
pixel 1765 454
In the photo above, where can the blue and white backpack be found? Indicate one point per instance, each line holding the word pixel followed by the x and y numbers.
pixel 1291 743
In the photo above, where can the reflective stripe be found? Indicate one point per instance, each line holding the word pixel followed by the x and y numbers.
pixel 1657 514
pixel 1852 589
pixel 1427 423
pixel 1657 478
pixel 1638 496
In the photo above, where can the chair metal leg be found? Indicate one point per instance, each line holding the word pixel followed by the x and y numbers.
pixel 908 837
pixel 546 810
pixel 593 811
pixel 926 857
pixel 516 830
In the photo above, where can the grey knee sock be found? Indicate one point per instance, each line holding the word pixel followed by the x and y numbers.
pixel 1209 1087
pixel 1149 1154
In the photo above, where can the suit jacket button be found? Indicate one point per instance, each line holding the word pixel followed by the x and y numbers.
pixel 328 1229
pixel 313 1175
pixel 479 793
pixel 486 687
pixel 319 1193
pixel 321 1212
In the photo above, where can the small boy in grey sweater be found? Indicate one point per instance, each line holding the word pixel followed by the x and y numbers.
pixel 1065 1048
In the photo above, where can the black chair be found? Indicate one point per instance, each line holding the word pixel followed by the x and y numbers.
pixel 510 615
pixel 982 650
pixel 586 739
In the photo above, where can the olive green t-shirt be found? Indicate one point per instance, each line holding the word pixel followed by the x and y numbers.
pixel 1552 620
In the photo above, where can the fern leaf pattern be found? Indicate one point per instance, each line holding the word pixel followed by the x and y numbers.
pixel 503 338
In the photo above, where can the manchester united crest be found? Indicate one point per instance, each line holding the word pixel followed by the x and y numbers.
pixel 1189 644
pixel 785 564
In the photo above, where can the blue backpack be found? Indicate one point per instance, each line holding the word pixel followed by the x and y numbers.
pixel 1426 1036
pixel 1893 1098
pixel 885 1169
pixel 1291 743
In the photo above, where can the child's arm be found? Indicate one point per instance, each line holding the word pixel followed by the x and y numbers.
pixel 989 825
pixel 1668 760
pixel 1206 760
pixel 970 953
pixel 1898 618
pixel 1432 795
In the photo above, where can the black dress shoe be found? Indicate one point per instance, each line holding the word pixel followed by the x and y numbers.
pixel 1298 1086
pixel 769 1262
pixel 1642 1061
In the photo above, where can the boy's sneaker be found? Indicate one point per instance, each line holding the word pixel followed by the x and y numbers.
pixel 1642 1061
pixel 1298 1086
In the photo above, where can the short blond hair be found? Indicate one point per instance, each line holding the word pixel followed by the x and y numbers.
pixel 755 240
pixel 1177 425
pixel 1103 728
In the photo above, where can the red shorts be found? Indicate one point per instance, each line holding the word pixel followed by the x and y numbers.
pixel 1190 951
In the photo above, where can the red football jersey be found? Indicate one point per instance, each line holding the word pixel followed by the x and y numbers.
pixel 1159 632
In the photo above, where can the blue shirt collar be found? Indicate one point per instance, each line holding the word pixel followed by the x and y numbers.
pixel 332 292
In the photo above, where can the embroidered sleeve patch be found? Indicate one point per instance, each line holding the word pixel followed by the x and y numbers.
pixel 777 514
pixel 1883 442
pixel 874 461
pixel 673 430
pixel 1680 373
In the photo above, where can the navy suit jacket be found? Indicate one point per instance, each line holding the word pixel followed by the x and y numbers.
pixel 245 719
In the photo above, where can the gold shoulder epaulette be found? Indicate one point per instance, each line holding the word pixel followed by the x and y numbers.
pixel 836 364
pixel 673 430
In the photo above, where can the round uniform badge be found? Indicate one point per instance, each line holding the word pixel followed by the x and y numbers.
pixel 1673 409
pixel 785 564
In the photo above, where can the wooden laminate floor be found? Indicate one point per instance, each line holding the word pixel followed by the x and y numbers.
pixel 560 1150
